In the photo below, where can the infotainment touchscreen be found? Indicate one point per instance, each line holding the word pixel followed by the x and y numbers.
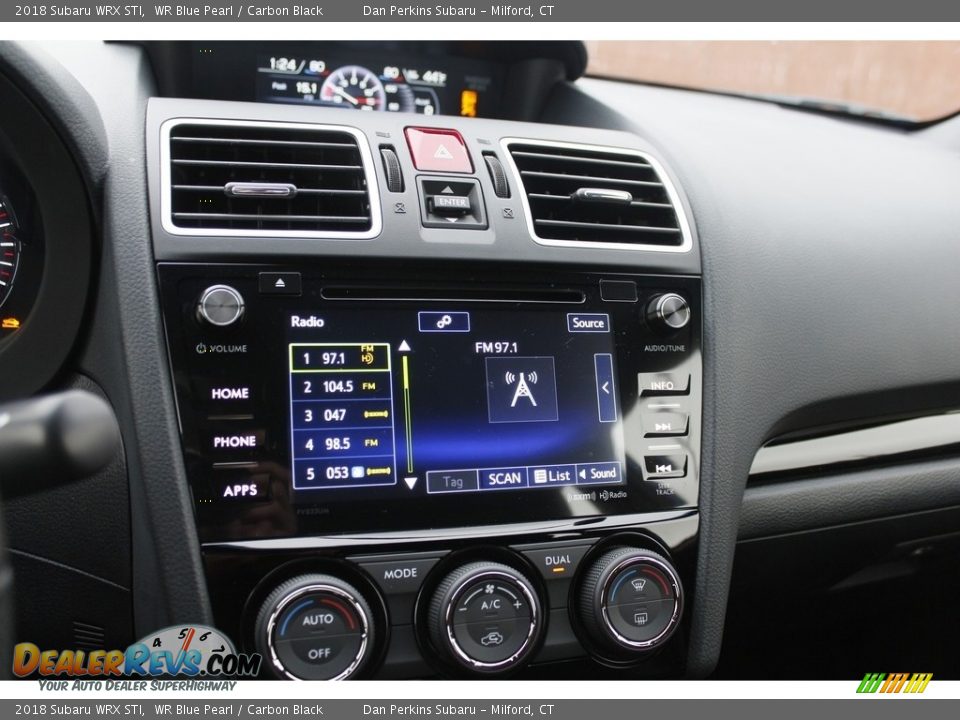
pixel 332 406
pixel 451 400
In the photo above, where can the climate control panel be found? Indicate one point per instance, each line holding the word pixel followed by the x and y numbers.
pixel 614 600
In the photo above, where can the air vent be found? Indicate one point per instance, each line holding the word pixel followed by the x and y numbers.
pixel 597 196
pixel 268 180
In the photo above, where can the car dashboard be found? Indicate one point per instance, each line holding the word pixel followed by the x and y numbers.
pixel 442 360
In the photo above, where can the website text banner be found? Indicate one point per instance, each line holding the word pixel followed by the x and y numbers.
pixel 611 709
pixel 579 11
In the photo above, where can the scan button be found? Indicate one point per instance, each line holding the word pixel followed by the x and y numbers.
pixel 503 478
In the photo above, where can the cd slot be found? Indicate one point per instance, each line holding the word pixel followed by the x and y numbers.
pixel 507 295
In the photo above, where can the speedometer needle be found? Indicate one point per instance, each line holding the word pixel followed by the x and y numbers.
pixel 344 94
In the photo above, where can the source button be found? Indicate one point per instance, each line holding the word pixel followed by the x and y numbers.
pixel 588 322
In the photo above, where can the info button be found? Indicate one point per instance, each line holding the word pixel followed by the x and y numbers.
pixel 588 322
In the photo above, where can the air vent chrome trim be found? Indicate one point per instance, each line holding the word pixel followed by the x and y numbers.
pixel 366 157
pixel 687 238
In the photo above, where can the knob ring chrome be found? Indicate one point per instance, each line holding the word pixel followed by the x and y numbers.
pixel 665 319
pixel 309 590
pixel 202 311
pixel 677 602
pixel 448 620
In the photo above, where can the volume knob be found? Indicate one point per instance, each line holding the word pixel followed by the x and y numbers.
pixel 220 305
pixel 668 312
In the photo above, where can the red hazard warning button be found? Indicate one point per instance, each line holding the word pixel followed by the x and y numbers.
pixel 438 150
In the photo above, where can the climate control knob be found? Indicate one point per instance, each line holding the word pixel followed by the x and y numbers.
pixel 485 617
pixel 220 305
pixel 315 627
pixel 630 600
pixel 668 312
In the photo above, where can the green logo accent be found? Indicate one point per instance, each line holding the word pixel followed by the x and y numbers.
pixel 871 682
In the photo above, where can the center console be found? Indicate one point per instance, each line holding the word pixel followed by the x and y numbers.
pixel 435 462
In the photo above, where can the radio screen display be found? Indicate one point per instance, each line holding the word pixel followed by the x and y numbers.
pixel 452 401
pixel 359 406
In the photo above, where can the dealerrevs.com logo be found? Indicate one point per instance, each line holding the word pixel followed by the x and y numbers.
pixel 191 651
pixel 887 683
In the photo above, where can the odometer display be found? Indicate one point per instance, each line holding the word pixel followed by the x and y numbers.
pixel 379 82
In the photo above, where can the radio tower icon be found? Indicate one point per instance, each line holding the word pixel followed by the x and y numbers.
pixel 523 389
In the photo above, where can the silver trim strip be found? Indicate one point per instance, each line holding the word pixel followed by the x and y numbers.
pixel 883 441
pixel 687 238
pixel 388 539
pixel 366 157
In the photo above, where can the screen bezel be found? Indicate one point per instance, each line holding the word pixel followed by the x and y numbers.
pixel 265 332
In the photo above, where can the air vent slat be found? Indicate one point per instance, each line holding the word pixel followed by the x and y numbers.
pixel 575 159
pixel 300 190
pixel 322 169
pixel 269 218
pixel 604 226
pixel 263 143
pixel 579 194
pixel 589 179
pixel 244 163
pixel 566 198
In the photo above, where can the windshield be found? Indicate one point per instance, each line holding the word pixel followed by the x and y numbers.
pixel 918 81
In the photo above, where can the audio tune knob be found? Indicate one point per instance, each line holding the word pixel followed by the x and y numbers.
pixel 485 617
pixel 630 601
pixel 315 627
pixel 220 305
pixel 668 312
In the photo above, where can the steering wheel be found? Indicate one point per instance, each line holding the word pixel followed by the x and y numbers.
pixel 47 441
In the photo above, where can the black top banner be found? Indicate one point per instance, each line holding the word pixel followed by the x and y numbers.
pixel 578 11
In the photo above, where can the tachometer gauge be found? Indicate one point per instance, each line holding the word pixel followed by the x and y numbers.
pixel 355 87
pixel 9 249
